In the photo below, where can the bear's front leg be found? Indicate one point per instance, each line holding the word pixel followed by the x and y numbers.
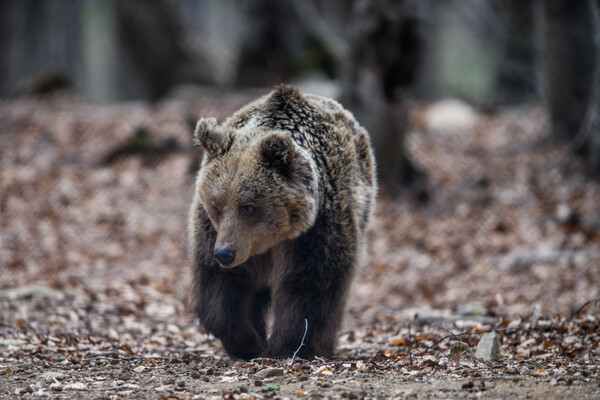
pixel 224 311
pixel 312 288
pixel 224 299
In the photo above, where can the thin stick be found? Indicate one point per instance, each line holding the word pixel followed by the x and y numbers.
pixel 301 344
pixel 409 346
pixel 582 307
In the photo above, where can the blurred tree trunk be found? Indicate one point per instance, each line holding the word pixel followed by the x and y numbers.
pixel 516 75
pixel 588 138
pixel 383 64
pixel 568 56
pixel 153 35
pixel 4 48
pixel 571 52
pixel 35 49
pixel 276 46
pixel 264 57
pixel 378 48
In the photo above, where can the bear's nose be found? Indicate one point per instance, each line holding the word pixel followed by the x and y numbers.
pixel 224 256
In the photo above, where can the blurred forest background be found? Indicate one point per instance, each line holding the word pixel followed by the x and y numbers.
pixel 370 54
pixel 484 116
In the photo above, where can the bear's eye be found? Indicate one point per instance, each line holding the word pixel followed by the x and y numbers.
pixel 247 210
pixel 216 211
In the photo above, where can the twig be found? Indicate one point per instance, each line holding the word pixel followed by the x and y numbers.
pixel 121 356
pixel 109 359
pixel 301 344
pixel 582 307
pixel 409 346
pixel 321 360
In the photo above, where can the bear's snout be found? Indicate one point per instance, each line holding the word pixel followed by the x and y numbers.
pixel 224 256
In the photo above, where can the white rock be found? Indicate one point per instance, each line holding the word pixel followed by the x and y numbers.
pixel 75 386
pixel 51 375
pixel 489 347
pixel 451 116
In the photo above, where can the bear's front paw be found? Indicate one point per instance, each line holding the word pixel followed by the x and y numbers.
pixel 244 344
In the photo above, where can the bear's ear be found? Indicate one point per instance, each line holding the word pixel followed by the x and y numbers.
pixel 215 139
pixel 278 152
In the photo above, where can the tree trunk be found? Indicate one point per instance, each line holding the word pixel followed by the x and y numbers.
pixel 516 75
pixel 382 65
pixel 568 53
pixel 154 38
pixel 588 138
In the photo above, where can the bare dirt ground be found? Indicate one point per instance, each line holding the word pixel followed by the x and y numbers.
pixel 95 278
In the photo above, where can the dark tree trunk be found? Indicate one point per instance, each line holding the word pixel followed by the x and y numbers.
pixel 35 46
pixel 516 75
pixel 571 54
pixel 264 57
pixel 155 41
pixel 378 48
pixel 385 57
pixel 588 138
pixel 568 53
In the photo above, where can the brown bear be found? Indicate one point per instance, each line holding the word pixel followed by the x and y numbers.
pixel 282 204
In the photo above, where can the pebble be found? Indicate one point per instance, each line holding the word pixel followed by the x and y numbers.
pixel 269 372
pixel 489 347
pixel 51 375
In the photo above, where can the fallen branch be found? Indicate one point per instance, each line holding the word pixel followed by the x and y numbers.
pixel 301 344
pixel 584 305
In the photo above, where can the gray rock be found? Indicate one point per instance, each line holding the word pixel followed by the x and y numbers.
pixel 51 375
pixel 472 310
pixel 25 367
pixel 488 348
pixel 269 372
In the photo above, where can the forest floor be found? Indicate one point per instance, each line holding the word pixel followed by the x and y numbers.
pixel 95 277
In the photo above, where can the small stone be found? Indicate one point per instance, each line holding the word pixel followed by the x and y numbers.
pixel 569 381
pixel 26 366
pixel 468 385
pixel 460 349
pixel 474 309
pixel 51 375
pixel 488 348
pixel 75 386
pixel 269 372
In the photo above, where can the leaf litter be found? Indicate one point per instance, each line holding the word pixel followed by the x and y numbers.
pixel 95 294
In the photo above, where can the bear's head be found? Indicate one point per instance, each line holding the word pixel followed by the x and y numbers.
pixel 258 188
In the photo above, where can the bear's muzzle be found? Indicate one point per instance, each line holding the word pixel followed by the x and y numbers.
pixel 224 256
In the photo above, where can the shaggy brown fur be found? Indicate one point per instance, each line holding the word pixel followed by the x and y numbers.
pixel 282 204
